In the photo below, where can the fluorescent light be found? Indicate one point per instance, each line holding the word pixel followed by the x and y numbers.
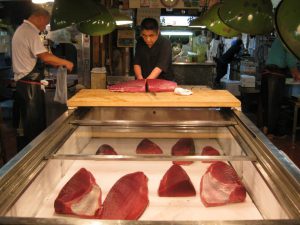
pixel 124 22
pixel 179 33
pixel 119 17
pixel 41 1
pixel 175 20
pixel 199 26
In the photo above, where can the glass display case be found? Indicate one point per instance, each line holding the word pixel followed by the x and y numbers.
pixel 271 180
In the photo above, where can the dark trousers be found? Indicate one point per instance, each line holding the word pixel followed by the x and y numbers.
pixel 221 70
pixel 30 104
pixel 272 89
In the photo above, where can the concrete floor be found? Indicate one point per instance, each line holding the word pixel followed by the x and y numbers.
pixel 292 150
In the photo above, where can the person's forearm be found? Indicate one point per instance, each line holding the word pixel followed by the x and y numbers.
pixel 53 60
pixel 155 73
pixel 138 72
pixel 295 73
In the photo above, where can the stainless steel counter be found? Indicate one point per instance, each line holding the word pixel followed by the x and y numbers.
pixel 36 174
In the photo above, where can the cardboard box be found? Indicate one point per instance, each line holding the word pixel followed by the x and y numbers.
pixel 247 80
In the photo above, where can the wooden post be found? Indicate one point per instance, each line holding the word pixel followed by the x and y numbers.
pixel 95 52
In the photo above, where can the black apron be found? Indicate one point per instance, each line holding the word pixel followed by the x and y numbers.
pixel 30 103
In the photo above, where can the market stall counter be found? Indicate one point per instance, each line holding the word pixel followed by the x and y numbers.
pixel 269 183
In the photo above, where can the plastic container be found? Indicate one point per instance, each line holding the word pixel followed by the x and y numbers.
pixel 98 78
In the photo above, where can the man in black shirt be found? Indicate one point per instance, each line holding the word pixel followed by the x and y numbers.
pixel 225 59
pixel 153 57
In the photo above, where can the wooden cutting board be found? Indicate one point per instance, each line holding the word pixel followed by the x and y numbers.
pixel 199 98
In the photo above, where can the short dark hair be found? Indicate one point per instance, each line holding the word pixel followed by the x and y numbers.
pixel 39 11
pixel 239 42
pixel 149 24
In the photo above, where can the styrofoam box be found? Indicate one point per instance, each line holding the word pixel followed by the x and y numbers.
pixel 247 80
pixel 232 86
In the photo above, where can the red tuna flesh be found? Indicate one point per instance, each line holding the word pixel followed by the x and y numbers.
pixel 127 199
pixel 176 183
pixel 221 185
pixel 148 147
pixel 160 85
pixel 129 86
pixel 183 147
pixel 106 150
pixel 210 151
pixel 80 196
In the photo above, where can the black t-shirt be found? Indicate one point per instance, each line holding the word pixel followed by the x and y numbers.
pixel 229 55
pixel 159 55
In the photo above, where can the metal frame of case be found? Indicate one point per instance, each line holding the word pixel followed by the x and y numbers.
pixel 280 175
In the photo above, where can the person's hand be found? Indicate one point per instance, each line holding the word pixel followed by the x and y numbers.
pixel 69 65
pixel 295 73
pixel 297 78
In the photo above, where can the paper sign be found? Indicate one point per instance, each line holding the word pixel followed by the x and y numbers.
pixel 143 13
pixel 125 38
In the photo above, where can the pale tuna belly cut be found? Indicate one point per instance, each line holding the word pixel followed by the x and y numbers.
pixel 209 151
pixel 147 146
pixel 176 183
pixel 129 86
pixel 106 149
pixel 160 85
pixel 183 147
pixel 80 196
pixel 127 199
pixel 221 185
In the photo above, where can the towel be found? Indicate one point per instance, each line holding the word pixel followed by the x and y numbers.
pixel 61 92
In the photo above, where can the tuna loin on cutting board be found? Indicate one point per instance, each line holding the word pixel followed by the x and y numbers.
pixel 106 150
pixel 127 199
pixel 129 86
pixel 148 147
pixel 80 196
pixel 209 151
pixel 183 147
pixel 176 183
pixel 160 85
pixel 221 185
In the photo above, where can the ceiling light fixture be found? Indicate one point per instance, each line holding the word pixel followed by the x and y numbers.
pixel 90 16
pixel 235 14
pixel 211 20
pixel 197 23
pixel 287 23
pixel 101 24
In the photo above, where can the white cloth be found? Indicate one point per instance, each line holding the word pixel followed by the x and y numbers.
pixel 214 45
pixel 61 92
pixel 182 91
pixel 44 84
pixel 26 45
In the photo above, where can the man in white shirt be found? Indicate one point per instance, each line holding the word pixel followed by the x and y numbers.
pixel 28 56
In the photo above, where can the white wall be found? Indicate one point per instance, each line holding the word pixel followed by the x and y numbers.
pixel 275 2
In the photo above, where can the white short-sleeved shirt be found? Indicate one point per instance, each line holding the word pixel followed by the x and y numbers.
pixel 26 45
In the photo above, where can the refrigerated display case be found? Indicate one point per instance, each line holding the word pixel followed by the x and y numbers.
pixel 31 181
